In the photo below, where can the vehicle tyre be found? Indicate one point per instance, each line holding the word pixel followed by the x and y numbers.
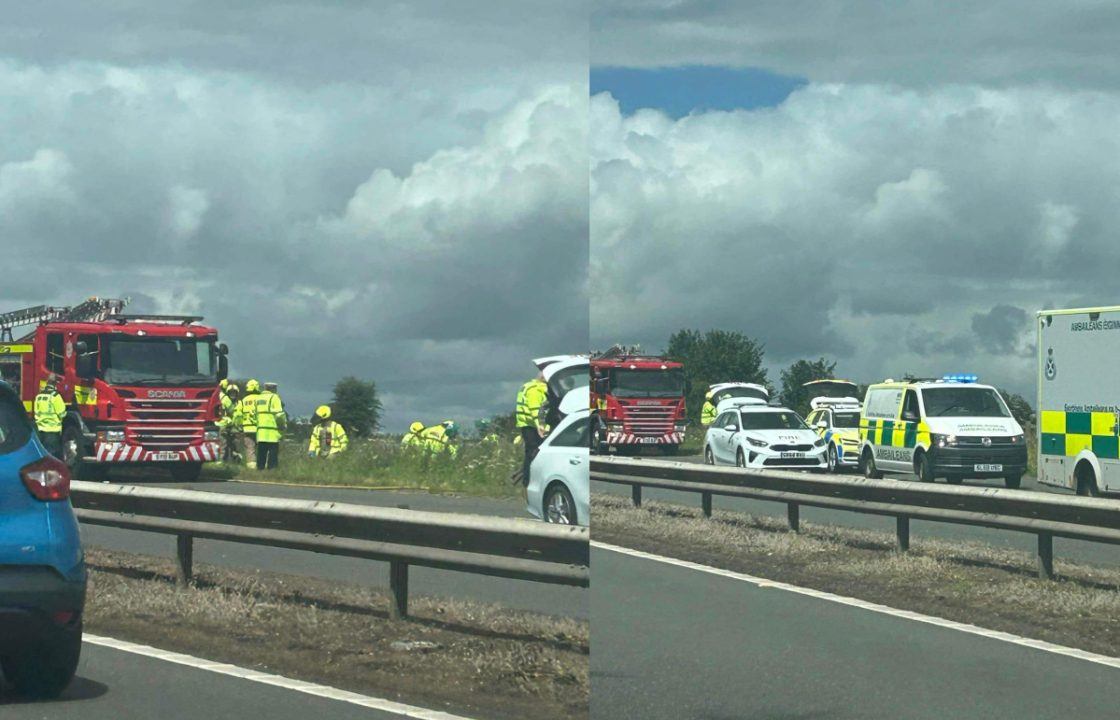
pixel 870 471
pixel 709 458
pixel 598 439
pixel 833 460
pixel 1013 481
pixel 954 479
pixel 559 508
pixel 924 469
pixel 186 472
pixel 740 458
pixel 73 450
pixel 44 670
pixel 1086 481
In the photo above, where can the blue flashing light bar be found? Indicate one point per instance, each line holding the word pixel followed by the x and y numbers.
pixel 960 378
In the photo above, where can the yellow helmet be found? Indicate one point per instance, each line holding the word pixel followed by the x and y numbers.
pixel 323 411
pixel 708 395
pixel 223 384
pixel 416 427
pixel 252 386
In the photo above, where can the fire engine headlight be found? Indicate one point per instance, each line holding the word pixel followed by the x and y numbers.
pixel 112 436
pixel 681 428
pixel 614 427
pixel 945 440
pixel 756 442
pixel 210 435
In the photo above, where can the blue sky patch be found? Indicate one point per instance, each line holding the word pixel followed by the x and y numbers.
pixel 678 91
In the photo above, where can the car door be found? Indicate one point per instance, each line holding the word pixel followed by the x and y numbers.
pixel 717 436
pixel 730 442
pixel 564 457
pixel 883 408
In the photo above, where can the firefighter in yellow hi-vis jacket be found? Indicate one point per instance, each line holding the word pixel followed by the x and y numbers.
pixel 328 438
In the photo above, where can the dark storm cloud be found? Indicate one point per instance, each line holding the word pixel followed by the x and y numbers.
pixel 407 204
pixel 1002 329
pixel 908 42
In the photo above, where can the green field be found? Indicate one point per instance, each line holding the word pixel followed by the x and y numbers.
pixel 380 462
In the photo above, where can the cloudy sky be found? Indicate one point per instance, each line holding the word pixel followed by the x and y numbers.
pixel 898 187
pixel 392 190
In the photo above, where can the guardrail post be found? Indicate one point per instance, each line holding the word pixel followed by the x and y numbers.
pixel 793 511
pixel 902 530
pixel 184 556
pixel 398 586
pixel 1046 556
pixel 636 495
pixel 706 503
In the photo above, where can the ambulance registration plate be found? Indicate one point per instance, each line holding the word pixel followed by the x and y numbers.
pixel 165 456
pixel 988 468
pixel 792 455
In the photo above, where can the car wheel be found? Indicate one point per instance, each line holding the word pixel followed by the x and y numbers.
pixel 559 508
pixel 186 472
pixel 709 458
pixel 44 670
pixel 1086 480
pixel 1013 481
pixel 924 469
pixel 740 458
pixel 833 460
pixel 870 471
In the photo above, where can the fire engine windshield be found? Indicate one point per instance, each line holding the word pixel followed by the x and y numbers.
pixel 963 402
pixel 159 361
pixel 647 383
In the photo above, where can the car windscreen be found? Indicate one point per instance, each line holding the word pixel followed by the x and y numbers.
pixel 159 361
pixel 647 383
pixel 963 402
pixel 845 419
pixel 773 420
pixel 739 392
pixel 15 429
pixel 568 379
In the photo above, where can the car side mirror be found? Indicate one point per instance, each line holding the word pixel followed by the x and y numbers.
pixel 822 424
pixel 84 367
pixel 910 416
pixel 223 367
pixel 731 428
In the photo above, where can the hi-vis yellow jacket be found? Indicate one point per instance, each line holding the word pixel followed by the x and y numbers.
pixel 328 438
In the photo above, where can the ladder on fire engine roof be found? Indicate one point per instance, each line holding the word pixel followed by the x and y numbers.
pixel 94 309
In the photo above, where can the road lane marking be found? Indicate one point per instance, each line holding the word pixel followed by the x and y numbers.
pixel 865 605
pixel 308 688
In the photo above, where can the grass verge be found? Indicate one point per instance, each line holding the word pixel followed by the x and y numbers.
pixel 468 658
pixel 479 469
pixel 963 581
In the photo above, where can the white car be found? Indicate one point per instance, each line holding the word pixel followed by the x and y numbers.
pixel 754 435
pixel 559 476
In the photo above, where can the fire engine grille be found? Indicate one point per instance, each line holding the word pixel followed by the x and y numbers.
pixel 650 419
pixel 163 424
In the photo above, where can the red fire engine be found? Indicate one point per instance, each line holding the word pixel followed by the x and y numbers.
pixel 138 388
pixel 636 400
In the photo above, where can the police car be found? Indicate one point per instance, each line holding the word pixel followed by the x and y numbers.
pixel 836 421
pixel 753 434
pixel 952 428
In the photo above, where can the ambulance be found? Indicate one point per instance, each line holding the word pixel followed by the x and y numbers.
pixel 1078 399
pixel 952 427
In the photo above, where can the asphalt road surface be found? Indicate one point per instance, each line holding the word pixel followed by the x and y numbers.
pixel 1075 550
pixel 116 685
pixel 520 594
pixel 673 643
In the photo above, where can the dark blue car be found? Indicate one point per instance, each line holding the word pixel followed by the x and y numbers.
pixel 42 570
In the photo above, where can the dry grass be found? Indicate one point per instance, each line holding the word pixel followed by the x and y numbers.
pixel 486 660
pixel 964 581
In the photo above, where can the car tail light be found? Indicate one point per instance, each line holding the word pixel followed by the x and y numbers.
pixel 47 479
pixel 64 617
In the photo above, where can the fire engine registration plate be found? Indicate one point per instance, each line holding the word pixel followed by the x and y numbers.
pixel 988 468
pixel 792 455
pixel 648 440
pixel 165 455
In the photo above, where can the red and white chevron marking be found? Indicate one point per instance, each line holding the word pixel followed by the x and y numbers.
pixel 623 438
pixel 125 453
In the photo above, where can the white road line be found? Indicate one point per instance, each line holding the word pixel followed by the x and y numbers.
pixel 308 688
pixel 873 607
